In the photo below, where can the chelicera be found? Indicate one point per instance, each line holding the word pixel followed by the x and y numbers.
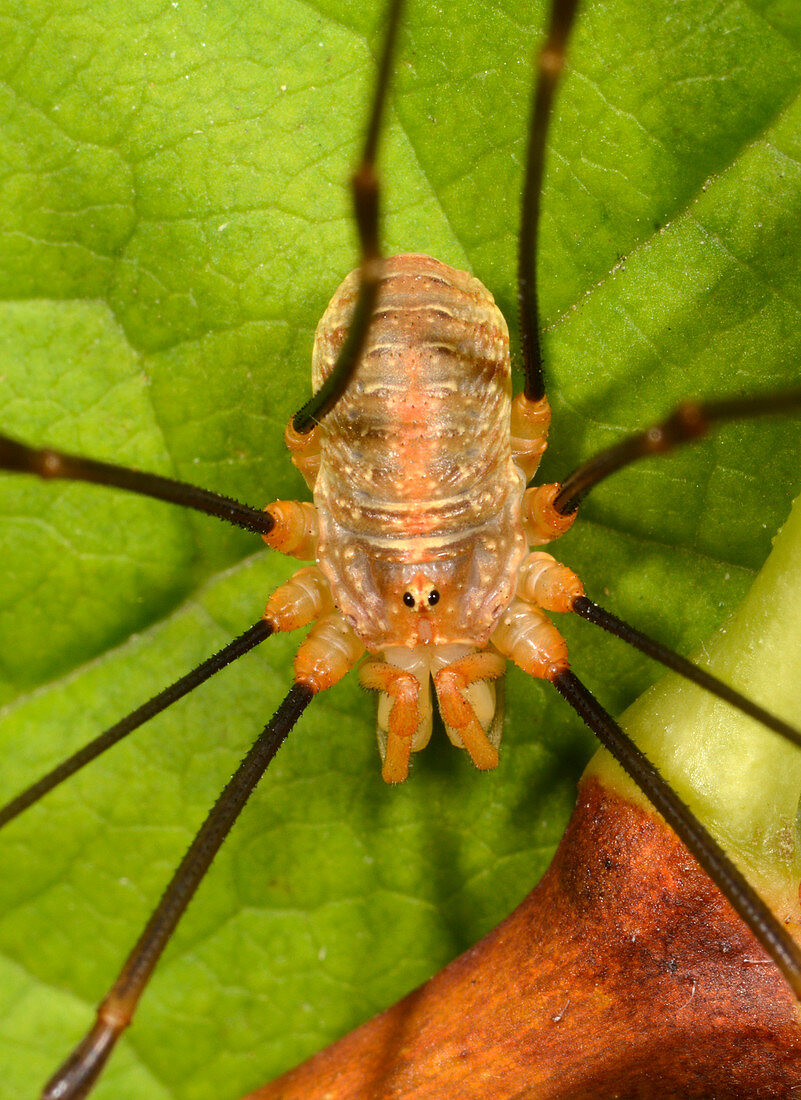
pixel 416 593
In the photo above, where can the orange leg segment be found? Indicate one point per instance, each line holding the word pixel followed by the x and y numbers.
pixel 529 430
pixel 327 653
pixel 541 521
pixel 546 583
pixel 296 530
pixel 404 718
pixel 305 597
pixel 304 451
pixel 529 638
pixel 450 684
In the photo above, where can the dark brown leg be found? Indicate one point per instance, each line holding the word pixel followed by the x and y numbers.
pixel 45 463
pixel 549 69
pixel 658 652
pixel 237 648
pixel 365 206
pixel 776 940
pixel 77 1075
pixel 686 423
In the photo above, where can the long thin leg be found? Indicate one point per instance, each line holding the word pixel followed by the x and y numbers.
pixel 658 652
pixel 689 421
pixel 365 205
pixel 774 938
pixel 81 1069
pixel 301 600
pixel 548 584
pixel 549 69
pixel 328 652
pixel 46 463
pixel 237 648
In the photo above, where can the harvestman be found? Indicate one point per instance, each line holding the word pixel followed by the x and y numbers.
pixel 549 511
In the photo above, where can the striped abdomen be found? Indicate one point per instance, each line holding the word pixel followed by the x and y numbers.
pixel 417 490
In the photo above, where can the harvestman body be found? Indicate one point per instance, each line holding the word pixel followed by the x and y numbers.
pixel 422 520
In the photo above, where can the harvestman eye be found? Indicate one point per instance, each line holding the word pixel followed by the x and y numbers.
pixel 428 309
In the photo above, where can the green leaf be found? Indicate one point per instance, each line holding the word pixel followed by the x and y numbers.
pixel 174 220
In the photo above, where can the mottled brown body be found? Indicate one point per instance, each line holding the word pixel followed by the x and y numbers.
pixel 421 520
pixel 417 489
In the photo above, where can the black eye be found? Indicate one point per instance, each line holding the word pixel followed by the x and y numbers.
pixel 408 599
pixel 433 597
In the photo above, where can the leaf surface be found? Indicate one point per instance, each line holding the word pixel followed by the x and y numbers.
pixel 174 220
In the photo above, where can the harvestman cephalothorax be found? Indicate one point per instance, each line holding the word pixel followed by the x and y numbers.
pixel 415 243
